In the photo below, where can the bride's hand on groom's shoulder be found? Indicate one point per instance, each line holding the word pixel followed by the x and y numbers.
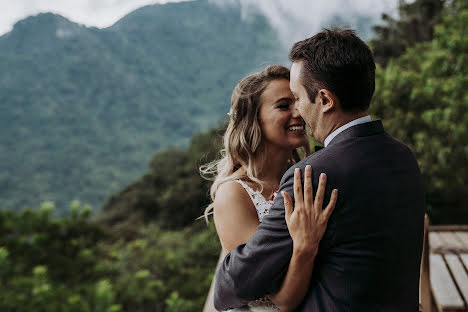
pixel 307 219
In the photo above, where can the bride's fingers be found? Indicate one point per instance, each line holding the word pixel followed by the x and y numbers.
pixel 331 205
pixel 288 206
pixel 298 197
pixel 308 188
pixel 320 193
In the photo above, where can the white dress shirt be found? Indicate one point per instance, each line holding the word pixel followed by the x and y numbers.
pixel 354 122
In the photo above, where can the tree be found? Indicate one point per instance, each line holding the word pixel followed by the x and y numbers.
pixel 172 193
pixel 415 24
pixel 422 98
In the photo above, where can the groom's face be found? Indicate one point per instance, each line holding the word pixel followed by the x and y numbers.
pixel 308 110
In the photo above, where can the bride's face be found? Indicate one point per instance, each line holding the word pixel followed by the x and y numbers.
pixel 282 126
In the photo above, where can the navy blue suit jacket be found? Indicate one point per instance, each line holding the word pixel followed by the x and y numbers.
pixel 369 257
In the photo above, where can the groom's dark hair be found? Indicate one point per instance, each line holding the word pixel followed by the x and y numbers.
pixel 337 60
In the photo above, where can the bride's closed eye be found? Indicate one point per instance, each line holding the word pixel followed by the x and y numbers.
pixel 283 103
pixel 283 106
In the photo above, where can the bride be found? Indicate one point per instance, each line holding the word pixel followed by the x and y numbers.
pixel 263 139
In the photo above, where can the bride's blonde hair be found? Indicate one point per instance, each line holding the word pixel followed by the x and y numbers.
pixel 243 144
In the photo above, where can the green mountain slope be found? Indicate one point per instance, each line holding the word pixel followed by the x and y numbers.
pixel 83 109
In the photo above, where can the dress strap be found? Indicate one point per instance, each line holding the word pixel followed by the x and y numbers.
pixel 261 204
pixel 249 190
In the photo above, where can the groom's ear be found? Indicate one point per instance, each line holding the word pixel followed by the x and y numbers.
pixel 328 100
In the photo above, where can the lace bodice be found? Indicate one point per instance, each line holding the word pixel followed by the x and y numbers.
pixel 262 205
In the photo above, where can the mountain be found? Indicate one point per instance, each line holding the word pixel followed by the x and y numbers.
pixel 84 109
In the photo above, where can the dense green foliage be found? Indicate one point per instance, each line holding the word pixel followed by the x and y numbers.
pixel 422 98
pixel 144 252
pixel 83 109
pixel 70 264
pixel 415 23
pixel 172 194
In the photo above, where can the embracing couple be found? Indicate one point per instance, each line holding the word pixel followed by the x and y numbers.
pixel 341 229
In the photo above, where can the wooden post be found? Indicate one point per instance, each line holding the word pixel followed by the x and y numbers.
pixel 424 281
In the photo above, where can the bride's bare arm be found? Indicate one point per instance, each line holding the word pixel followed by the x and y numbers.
pixel 235 216
pixel 306 223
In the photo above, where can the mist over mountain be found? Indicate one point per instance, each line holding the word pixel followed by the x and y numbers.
pixel 294 20
pixel 84 109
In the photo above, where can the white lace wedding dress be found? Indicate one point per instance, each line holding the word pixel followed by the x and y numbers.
pixel 262 205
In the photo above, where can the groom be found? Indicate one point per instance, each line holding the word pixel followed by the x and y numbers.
pixel 369 256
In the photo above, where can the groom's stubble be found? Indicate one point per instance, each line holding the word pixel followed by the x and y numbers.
pixel 305 107
pixel 322 113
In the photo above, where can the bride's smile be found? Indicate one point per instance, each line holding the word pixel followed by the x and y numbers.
pixel 282 126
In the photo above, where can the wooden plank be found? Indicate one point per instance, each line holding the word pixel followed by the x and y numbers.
pixel 464 259
pixel 435 241
pixel 452 241
pixel 458 273
pixel 445 292
pixel 434 228
pixel 463 236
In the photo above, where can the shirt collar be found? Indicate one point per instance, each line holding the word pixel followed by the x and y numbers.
pixel 354 122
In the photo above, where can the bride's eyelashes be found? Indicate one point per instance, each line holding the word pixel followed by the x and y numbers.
pixel 283 106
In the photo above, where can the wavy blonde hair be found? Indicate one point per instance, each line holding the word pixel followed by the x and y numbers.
pixel 243 144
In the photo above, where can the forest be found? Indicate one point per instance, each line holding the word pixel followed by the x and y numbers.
pixel 146 250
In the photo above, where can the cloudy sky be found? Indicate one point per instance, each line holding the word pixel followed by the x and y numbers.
pixel 298 19
pixel 302 17
pixel 99 13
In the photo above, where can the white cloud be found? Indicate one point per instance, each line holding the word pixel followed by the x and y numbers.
pixel 298 19
pixel 99 13
pixel 293 19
